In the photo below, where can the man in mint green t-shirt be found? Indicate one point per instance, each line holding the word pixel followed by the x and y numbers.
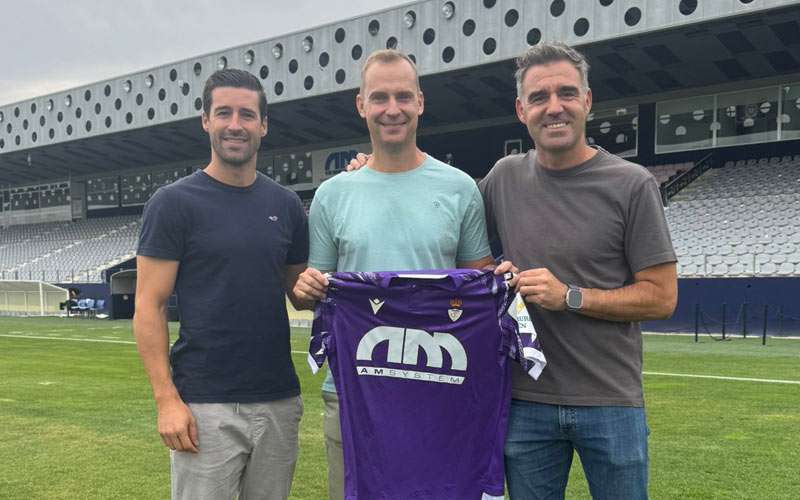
pixel 404 211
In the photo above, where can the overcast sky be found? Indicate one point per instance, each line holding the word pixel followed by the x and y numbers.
pixel 52 45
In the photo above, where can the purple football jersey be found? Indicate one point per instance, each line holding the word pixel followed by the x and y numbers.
pixel 420 362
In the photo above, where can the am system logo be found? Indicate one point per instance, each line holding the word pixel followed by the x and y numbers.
pixel 404 345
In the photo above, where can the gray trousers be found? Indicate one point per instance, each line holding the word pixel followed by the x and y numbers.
pixel 333 446
pixel 247 450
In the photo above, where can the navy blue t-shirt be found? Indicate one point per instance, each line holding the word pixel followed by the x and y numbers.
pixel 233 245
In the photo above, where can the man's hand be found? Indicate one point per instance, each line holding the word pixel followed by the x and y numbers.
pixel 359 161
pixel 177 426
pixel 540 287
pixel 506 267
pixel 311 285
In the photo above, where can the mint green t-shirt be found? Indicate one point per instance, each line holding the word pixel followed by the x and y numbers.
pixel 430 217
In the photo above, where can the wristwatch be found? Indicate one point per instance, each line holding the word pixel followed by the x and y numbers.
pixel 574 298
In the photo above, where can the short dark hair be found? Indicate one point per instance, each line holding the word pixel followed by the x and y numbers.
pixel 550 52
pixel 236 78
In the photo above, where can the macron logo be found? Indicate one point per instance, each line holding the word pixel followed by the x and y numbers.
pixel 376 305
pixel 273 218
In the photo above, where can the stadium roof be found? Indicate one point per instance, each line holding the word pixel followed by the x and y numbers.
pixel 637 53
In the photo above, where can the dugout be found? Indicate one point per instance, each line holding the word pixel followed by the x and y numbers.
pixel 123 294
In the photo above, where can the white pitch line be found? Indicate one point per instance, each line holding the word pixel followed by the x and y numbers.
pixel 662 374
pixel 718 377
pixel 68 338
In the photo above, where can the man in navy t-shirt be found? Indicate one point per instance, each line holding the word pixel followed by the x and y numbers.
pixel 231 242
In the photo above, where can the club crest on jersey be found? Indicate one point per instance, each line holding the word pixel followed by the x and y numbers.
pixel 376 305
pixel 455 310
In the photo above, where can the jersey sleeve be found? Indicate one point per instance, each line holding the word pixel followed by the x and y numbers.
pixel 473 243
pixel 320 337
pixel 163 229
pixel 522 340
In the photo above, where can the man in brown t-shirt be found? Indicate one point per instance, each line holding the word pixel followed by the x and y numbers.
pixel 588 230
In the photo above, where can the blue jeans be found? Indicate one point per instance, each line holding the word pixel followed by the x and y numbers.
pixel 610 440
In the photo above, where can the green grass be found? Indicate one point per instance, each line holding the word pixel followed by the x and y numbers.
pixel 77 419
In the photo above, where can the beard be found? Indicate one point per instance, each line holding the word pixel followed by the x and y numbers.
pixel 237 158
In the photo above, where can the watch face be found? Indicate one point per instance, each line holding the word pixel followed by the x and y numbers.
pixel 574 298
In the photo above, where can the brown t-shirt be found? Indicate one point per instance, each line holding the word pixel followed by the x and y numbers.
pixel 593 225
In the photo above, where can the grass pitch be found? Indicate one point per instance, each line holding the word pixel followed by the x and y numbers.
pixel 77 419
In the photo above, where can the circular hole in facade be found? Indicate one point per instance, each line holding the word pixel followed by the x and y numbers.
pixel 108 122
pixel 128 118
pixel 2 143
pixel 687 7
pixel 60 117
pixel 173 75
pixel 68 101
pixel 50 105
pixel 339 35
pixel 512 16
pixel 42 121
pixel 307 43
pixel 51 133
pixel 97 108
pixel 16 112
pixel 151 113
pixel 33 107
pixel 293 66
pixel 149 81
pixel 489 46
pixel 391 43
pixel 633 16
pixel 198 68
pixel 356 52
pixel 88 126
pixel 17 140
pixel 489 3
pixel 557 8
pixel 448 54
pixel 69 129
pixel 413 58
pixel 139 99
pixel 606 3
pixel 429 36
pixel 78 112
pixel 198 104
pixel 249 57
pixel 374 27
pixel 87 95
pixel 8 128
pixel 534 36
pixel 581 26
pixel 222 62
pixel 745 1
pixel 2 117
pixel 185 88
pixel 278 88
pixel 264 72
pixel 340 76
pixel 107 90
pixel 468 28
pixel 410 19
pixel 118 104
pixel 162 94
pixel 173 108
pixel 127 86
pixel 324 59
pixel 308 82
pixel 25 124
pixel 34 137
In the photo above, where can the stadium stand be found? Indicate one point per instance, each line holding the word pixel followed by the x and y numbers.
pixel 667 172
pixel 67 251
pixel 740 220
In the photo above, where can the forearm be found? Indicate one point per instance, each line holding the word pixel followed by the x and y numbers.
pixel 639 301
pixel 152 341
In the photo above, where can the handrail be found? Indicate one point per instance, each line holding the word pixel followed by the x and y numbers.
pixel 674 186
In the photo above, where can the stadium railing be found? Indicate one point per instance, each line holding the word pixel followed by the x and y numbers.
pixel 672 188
